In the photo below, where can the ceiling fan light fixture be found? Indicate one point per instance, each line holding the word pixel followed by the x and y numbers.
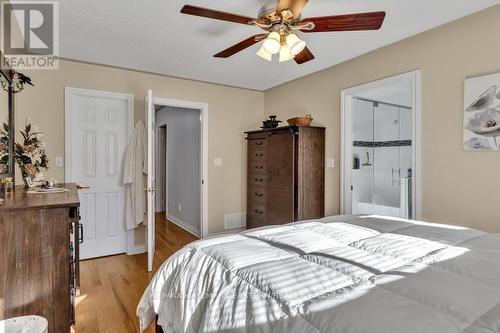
pixel 285 53
pixel 295 44
pixel 264 54
pixel 272 43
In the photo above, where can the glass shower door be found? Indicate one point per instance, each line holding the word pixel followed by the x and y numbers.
pixel 382 159
pixel 387 171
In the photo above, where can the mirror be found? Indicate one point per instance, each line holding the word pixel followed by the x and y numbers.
pixel 6 122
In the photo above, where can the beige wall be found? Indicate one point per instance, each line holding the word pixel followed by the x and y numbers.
pixel 231 112
pixel 459 187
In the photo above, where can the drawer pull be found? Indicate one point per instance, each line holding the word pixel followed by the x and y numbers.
pixel 259 155
pixel 258 211
pixel 260 143
pixel 259 167
pixel 259 179
pixel 257 194
pixel 80 233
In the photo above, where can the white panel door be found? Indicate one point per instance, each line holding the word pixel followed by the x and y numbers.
pixel 150 126
pixel 96 139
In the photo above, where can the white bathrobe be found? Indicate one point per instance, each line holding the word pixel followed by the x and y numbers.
pixel 133 177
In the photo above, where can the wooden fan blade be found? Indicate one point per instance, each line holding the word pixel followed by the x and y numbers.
pixel 304 56
pixel 239 47
pixel 349 22
pixel 215 14
pixel 296 6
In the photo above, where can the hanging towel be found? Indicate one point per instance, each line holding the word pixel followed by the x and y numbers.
pixel 133 177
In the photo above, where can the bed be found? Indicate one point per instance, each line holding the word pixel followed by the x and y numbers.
pixel 336 274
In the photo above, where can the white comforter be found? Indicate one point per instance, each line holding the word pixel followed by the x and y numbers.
pixel 338 274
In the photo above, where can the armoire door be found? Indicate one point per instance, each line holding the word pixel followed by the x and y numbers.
pixel 280 177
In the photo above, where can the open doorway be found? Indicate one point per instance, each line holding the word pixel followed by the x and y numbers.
pixel 380 147
pixel 154 104
pixel 178 166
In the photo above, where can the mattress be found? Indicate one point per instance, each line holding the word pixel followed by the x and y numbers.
pixel 336 274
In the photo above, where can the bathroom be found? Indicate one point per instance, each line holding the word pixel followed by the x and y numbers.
pixel 382 147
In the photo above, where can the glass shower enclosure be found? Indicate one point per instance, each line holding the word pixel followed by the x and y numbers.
pixel 382 159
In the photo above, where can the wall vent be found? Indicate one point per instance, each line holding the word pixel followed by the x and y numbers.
pixel 235 220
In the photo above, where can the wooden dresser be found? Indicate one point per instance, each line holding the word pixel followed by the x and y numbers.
pixel 286 175
pixel 39 239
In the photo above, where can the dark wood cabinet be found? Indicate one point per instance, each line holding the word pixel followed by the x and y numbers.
pixel 286 175
pixel 39 239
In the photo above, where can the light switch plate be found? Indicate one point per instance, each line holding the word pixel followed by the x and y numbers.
pixel 59 162
pixel 330 163
pixel 218 162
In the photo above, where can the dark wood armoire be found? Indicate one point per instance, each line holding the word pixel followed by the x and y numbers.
pixel 286 175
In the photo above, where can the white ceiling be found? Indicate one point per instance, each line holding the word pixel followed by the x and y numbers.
pixel 398 92
pixel 152 35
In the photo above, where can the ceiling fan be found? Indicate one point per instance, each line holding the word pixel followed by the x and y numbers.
pixel 280 20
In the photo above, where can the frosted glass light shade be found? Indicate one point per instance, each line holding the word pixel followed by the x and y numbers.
pixel 295 44
pixel 272 43
pixel 285 53
pixel 264 54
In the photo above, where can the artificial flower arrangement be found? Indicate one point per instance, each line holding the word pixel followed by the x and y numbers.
pixel 31 155
pixel 4 149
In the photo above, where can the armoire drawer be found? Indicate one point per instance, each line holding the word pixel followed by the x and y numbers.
pixel 257 194
pixel 260 143
pixel 258 211
pixel 256 167
pixel 253 222
pixel 257 180
pixel 257 154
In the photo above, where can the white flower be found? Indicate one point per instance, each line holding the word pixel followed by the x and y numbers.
pixel 479 123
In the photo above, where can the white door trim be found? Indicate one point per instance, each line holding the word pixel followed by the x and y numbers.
pixel 69 92
pixel 347 102
pixel 203 107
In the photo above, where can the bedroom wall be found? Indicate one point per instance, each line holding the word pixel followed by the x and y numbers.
pixel 231 112
pixel 459 187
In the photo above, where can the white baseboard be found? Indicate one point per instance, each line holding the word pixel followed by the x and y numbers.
pixel 180 223
pixel 226 232
pixel 137 249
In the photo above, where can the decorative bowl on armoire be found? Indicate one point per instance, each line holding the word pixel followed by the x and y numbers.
pixel 272 122
pixel 300 121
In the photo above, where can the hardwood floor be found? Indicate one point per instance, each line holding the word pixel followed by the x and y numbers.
pixel 111 287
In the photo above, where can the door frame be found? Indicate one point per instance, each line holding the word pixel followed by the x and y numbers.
pixel 69 92
pixel 347 106
pixel 203 107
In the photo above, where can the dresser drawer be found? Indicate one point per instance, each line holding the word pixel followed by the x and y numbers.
pixel 253 222
pixel 257 180
pixel 257 194
pixel 260 143
pixel 257 211
pixel 256 167
pixel 257 154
